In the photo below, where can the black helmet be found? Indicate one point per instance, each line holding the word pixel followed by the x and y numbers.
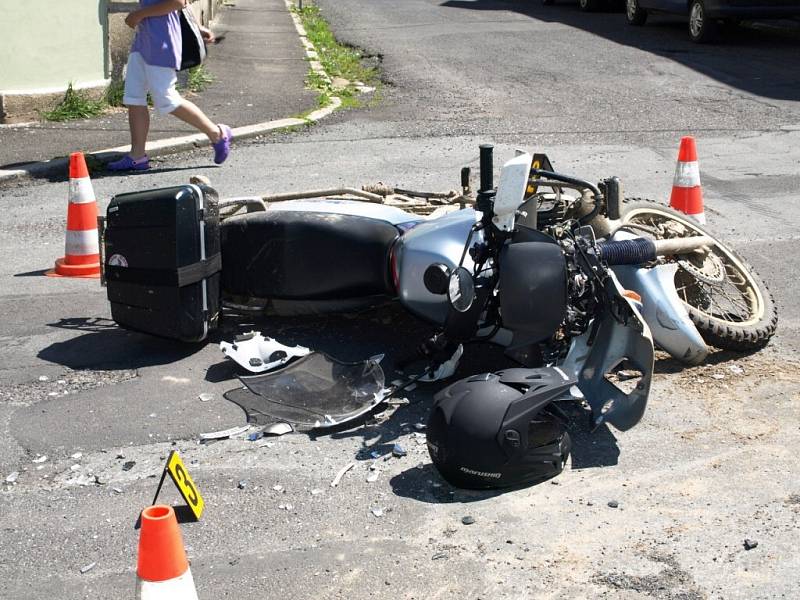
pixel 494 430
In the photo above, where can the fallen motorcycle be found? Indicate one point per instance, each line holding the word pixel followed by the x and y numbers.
pixel 568 283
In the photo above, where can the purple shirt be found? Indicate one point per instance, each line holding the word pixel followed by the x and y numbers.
pixel 158 39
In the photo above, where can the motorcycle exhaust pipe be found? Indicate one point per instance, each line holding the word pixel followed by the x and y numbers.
pixel 642 250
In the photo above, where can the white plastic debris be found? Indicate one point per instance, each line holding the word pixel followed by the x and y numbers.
pixel 225 433
pixel 12 477
pixel 736 369
pixel 257 354
pixel 373 476
pixel 277 488
pixel 43 378
pixel 378 512
pixel 77 455
pixel 205 397
pixel 88 568
pixel 445 370
pixel 341 473
pixel 40 459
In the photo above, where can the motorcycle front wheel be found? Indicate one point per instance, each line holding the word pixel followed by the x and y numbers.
pixel 726 299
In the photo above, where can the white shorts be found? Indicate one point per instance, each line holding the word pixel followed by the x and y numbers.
pixel 141 78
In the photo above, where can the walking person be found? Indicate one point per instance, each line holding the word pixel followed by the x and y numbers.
pixel 153 64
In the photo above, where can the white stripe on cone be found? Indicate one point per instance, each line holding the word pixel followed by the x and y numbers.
pixel 179 588
pixel 81 243
pixel 687 174
pixel 81 191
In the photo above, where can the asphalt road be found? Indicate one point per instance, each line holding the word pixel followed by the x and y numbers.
pixel 713 462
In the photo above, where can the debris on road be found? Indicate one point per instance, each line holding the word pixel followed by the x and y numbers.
pixel 750 544
pixel 399 451
pixel 205 397
pixel 736 370
pixel 279 428
pixel 613 504
pixel 84 480
pixel 242 484
pixel 378 512
pixel 127 466
pixel 625 375
pixel 255 436
pixel 12 477
pixel 341 473
pixel 225 433
pixel 76 456
pixel 468 520
pixel 88 568
pixel 257 354
pixel 277 488
pixel 438 555
pixel 373 476
pixel 40 459
pixel 342 392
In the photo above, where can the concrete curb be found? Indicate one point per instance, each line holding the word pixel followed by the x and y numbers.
pixel 47 168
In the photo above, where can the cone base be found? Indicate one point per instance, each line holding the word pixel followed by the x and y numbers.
pixel 179 588
pixel 88 271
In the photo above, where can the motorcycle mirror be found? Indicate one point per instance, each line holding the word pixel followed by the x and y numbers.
pixel 461 290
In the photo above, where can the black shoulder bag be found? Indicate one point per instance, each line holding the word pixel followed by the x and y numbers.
pixel 193 51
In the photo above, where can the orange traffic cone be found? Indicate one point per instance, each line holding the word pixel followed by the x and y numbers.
pixel 162 571
pixel 687 195
pixel 82 249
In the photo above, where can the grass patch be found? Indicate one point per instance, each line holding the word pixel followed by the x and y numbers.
pixel 338 60
pixel 115 93
pixel 199 79
pixel 75 105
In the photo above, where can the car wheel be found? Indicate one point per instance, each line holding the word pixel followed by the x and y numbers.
pixel 588 5
pixel 634 13
pixel 701 28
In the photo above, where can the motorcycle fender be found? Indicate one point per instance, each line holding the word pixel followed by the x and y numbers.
pixel 597 354
pixel 664 311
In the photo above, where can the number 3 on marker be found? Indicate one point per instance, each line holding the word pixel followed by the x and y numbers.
pixel 179 474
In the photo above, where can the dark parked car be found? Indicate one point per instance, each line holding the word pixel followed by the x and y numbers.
pixel 705 16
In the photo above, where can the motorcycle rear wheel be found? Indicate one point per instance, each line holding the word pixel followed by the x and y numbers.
pixel 726 299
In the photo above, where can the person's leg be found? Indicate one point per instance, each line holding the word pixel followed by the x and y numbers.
pixel 220 135
pixel 135 98
pixel 169 101
pixel 188 112
pixel 139 123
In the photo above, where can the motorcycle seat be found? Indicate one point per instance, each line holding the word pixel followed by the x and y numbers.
pixel 299 255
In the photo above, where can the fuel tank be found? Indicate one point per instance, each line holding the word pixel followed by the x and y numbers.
pixel 437 241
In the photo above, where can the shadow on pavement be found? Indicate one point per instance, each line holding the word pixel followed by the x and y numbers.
pixel 104 345
pixel 757 60
pixel 39 273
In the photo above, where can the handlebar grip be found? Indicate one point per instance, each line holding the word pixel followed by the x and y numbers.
pixel 487 167
pixel 627 252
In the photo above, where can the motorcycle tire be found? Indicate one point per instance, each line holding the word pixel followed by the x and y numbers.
pixel 722 271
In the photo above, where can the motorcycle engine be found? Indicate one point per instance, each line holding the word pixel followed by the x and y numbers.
pixel 549 294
